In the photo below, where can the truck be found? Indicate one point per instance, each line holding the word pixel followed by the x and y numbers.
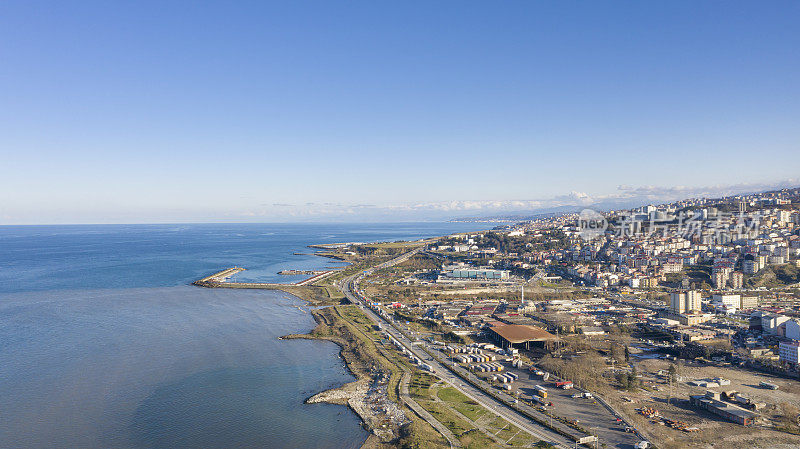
pixel 540 391
pixel 564 385
pixel 768 385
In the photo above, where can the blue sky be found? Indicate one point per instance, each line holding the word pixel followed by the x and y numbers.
pixel 258 111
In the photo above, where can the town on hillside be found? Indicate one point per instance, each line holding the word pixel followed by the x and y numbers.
pixel 677 324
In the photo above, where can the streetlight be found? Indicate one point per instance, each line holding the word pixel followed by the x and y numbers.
pixel 596 440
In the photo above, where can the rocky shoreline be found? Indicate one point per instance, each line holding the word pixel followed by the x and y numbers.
pixel 359 395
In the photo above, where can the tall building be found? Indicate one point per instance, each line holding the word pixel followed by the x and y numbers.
pixel 677 302
pixel 693 302
pixel 750 266
pixel 720 279
pixel 792 329
pixel 685 302
pixel 782 251
pixel 736 279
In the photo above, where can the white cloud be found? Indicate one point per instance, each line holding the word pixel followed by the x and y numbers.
pixel 624 196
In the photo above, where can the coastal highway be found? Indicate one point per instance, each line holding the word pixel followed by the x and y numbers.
pixel 490 403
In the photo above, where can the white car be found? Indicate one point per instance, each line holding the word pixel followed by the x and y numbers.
pixel 642 445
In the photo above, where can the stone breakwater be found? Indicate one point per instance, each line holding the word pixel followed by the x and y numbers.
pixel 222 280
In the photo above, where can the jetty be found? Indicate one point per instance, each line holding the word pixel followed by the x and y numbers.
pixel 222 280
pixel 218 278
pixel 305 272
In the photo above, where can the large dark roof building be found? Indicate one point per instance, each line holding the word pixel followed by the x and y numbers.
pixel 520 335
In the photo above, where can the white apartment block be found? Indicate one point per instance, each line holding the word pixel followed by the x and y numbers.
pixel 749 302
pixel 688 302
pixel 770 323
pixel 789 352
pixel 793 329
pixel 729 300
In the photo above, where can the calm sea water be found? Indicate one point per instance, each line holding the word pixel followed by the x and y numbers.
pixel 104 344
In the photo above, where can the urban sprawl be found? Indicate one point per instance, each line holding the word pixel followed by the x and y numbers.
pixel 673 325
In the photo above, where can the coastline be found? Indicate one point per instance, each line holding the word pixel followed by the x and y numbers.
pixel 352 394
pixel 379 395
pixel 358 395
pixel 355 394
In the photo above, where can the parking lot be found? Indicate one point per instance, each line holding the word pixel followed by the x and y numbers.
pixel 590 414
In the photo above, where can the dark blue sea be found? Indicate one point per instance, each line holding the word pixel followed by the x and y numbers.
pixel 105 344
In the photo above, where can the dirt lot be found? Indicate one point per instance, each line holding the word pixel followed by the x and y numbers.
pixel 715 432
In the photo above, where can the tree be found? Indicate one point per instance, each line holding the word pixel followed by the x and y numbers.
pixel 622 378
pixel 618 353
pixel 633 379
pixel 672 371
pixel 672 379
pixel 627 354
pixel 628 381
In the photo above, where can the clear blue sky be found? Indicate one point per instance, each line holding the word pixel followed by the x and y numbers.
pixel 203 111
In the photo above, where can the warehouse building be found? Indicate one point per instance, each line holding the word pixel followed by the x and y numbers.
pixel 520 336
pixel 466 272
pixel 710 401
